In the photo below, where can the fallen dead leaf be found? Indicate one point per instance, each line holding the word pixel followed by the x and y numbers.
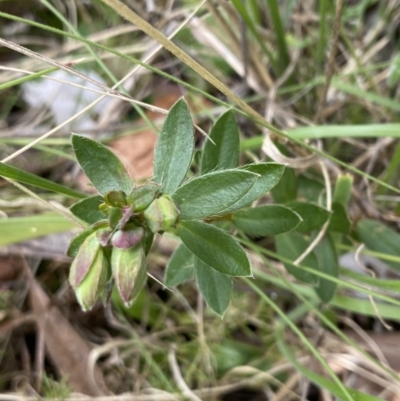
pixel 136 153
pixel 67 350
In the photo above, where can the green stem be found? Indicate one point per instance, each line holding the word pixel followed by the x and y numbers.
pixel 283 58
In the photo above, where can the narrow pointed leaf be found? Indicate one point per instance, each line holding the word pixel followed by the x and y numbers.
pixel 309 190
pixel 380 238
pixel 212 193
pixel 270 174
pixel 103 168
pixel 19 175
pixel 291 245
pixel 215 247
pixel 328 263
pixel 174 149
pixel 343 186
pixel 215 287
pixel 88 209
pixel 266 220
pixel 224 152
pixel 313 216
pixel 180 266
pixel 17 229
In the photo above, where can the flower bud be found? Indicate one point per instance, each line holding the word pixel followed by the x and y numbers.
pixel 104 236
pixel 129 271
pixel 161 214
pixel 125 239
pixel 84 260
pixel 141 197
pixel 94 285
pixel 115 198
pixel 89 273
pixel 126 215
pixel 104 208
pixel 78 240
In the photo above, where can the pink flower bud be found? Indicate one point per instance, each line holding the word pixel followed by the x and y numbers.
pixel 129 271
pixel 161 214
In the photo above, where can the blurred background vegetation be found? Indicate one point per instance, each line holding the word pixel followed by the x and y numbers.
pixel 326 73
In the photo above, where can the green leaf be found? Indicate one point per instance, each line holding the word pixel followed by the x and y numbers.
pixel 266 220
pixel 349 131
pixel 215 247
pixel 26 78
pixel 104 170
pixel 180 267
pixel 342 192
pixel 309 190
pixel 141 197
pixel 16 174
pixel 174 149
pixel 291 245
pixel 364 307
pixel 88 209
pixel 215 287
pixel 270 174
pixel 361 278
pixel 328 264
pixel 224 152
pixel 17 229
pixel 286 190
pixel 313 216
pixel 339 220
pixel 147 241
pixel 380 238
pixel 212 193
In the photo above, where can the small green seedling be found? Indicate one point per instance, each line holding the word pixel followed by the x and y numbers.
pixel 124 218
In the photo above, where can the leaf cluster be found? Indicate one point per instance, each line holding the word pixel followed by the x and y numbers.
pixel 203 211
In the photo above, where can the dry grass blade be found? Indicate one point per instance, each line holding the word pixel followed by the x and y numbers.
pixel 135 19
